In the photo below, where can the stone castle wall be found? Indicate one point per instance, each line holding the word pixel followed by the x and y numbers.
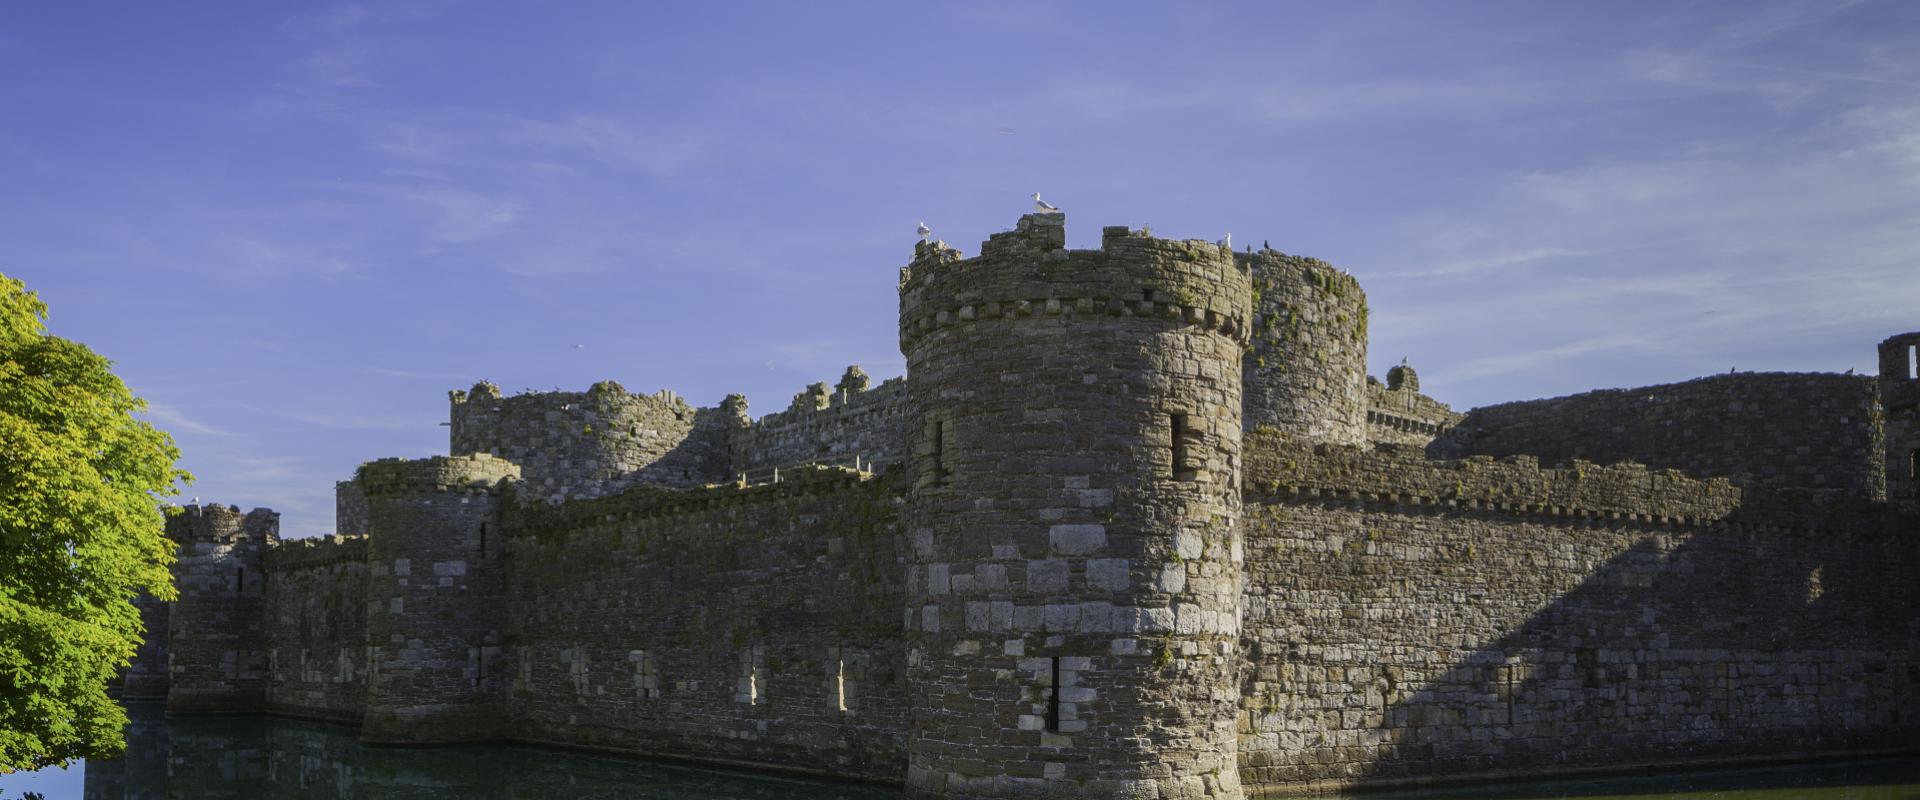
pixel 1413 620
pixel 1779 430
pixel 146 677
pixel 754 625
pixel 316 627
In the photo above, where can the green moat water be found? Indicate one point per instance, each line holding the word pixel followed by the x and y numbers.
pixel 262 757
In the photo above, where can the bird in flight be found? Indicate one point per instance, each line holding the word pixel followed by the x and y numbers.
pixel 1043 207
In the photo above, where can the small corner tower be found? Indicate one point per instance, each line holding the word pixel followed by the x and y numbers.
pixel 434 597
pixel 1074 599
pixel 1306 374
pixel 216 645
pixel 1900 402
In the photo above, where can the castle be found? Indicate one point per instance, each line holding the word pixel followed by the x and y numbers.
pixel 1135 524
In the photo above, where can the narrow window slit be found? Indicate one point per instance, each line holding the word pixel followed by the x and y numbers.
pixel 240 581
pixel 1183 436
pixel 1913 361
pixel 483 540
pixel 1053 698
pixel 840 683
pixel 1913 465
pixel 938 432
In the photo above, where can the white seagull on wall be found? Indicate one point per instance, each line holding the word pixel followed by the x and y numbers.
pixel 925 231
pixel 1041 206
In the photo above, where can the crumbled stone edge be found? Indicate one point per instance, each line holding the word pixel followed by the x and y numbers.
pixel 319 551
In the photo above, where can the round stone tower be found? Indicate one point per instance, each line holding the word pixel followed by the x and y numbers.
pixel 434 598
pixel 1306 375
pixel 586 444
pixel 1074 598
pixel 216 647
pixel 1900 402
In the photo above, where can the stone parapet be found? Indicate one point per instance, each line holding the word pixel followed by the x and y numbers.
pixel 1028 273
pixel 478 472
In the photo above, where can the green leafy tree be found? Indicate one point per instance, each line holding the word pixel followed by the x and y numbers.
pixel 80 534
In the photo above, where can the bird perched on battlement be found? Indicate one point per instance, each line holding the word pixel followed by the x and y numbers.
pixel 1227 240
pixel 1043 207
pixel 925 231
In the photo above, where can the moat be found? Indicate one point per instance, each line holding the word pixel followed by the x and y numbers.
pixel 270 757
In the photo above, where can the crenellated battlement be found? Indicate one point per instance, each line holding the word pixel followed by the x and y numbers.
pixel 477 473
pixel 317 551
pixel 654 502
pixel 1028 273
pixel 218 524
pixel 1285 468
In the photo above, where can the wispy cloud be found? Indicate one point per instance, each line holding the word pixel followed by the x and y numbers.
pixel 169 417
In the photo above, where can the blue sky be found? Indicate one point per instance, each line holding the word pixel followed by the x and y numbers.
pixel 295 229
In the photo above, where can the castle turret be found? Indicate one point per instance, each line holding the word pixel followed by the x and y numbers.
pixel 1306 375
pixel 216 647
pixel 1900 401
pixel 435 597
pixel 1074 600
pixel 586 444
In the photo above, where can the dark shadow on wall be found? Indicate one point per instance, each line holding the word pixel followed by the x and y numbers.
pixel 1738 641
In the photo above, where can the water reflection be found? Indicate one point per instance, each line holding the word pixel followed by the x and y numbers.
pixel 260 757
pixel 1881 779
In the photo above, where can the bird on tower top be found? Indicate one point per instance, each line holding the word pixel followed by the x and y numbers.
pixel 1043 207
pixel 925 231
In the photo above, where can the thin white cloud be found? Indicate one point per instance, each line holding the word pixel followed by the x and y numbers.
pixel 170 418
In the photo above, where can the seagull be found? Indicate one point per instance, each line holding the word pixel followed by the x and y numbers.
pixel 925 231
pixel 1043 207
pixel 1227 241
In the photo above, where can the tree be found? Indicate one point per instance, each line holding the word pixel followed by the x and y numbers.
pixel 81 531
